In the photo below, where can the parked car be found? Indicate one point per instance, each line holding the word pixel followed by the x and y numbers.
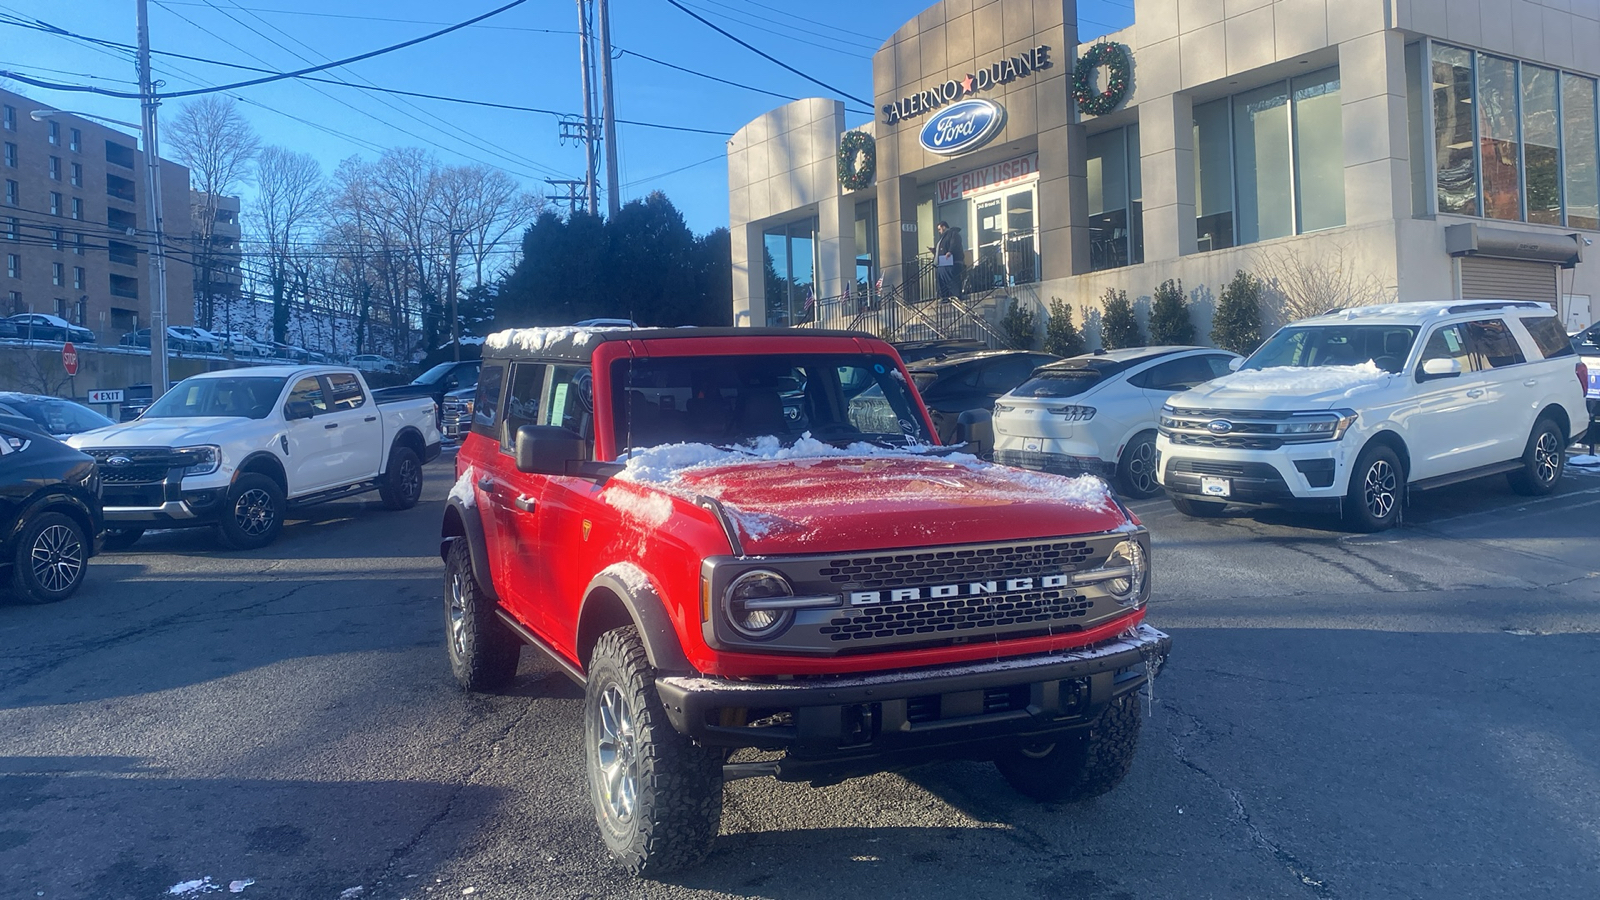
pixel 236 448
pixel 240 344
pixel 49 515
pixel 913 352
pixel 136 398
pixel 372 362
pixel 53 415
pixel 41 327
pixel 290 352
pixel 751 581
pixel 455 413
pixel 1098 413
pixel 199 340
pixel 178 341
pixel 1356 409
pixel 1586 344
pixel 951 385
pixel 435 383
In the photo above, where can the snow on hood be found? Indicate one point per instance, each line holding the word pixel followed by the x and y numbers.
pixel 814 497
pixel 1287 386
pixel 533 340
pixel 160 432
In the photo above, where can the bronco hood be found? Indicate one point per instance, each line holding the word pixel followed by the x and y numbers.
pixel 865 499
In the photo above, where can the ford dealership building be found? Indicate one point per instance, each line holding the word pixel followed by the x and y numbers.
pixel 1431 148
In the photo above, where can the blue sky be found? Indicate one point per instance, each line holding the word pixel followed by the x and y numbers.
pixel 526 56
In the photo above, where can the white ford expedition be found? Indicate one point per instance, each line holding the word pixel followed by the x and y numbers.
pixel 1348 410
pixel 236 448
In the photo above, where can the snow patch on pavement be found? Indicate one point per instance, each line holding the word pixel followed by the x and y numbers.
pixel 462 489
pixel 1304 379
pixel 194 888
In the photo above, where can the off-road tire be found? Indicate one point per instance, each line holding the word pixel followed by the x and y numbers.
pixel 401 486
pixel 1543 461
pixel 1198 509
pixel 1377 490
pixel 1136 473
pixel 118 539
pixel 676 802
pixel 50 560
pixel 1080 767
pixel 252 514
pixel 483 652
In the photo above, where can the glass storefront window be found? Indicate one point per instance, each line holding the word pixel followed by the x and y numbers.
pixel 1318 151
pixel 1261 164
pixel 1497 137
pixel 1116 236
pixel 1582 145
pixel 790 272
pixel 1541 137
pixel 1213 176
pixel 866 247
pixel 1453 131
pixel 1135 197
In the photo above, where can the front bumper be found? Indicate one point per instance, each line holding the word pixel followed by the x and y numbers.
pixel 164 504
pixel 1305 476
pixel 1056 463
pixel 838 727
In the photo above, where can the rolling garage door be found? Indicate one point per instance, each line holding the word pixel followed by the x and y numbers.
pixel 1508 279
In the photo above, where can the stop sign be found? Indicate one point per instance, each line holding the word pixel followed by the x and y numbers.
pixel 69 358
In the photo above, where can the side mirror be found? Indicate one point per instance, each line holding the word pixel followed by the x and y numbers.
pixel 298 409
pixel 1235 363
pixel 1441 368
pixel 547 449
pixel 976 426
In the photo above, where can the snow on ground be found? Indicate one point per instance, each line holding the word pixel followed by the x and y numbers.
pixel 462 489
pixel 194 888
pixel 1304 379
pixel 1584 464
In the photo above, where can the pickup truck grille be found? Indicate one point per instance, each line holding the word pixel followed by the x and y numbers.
pixel 455 418
pixel 141 465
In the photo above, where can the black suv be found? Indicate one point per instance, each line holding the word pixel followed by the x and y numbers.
pixel 49 514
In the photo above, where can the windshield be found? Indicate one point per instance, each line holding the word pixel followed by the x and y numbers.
pixel 60 416
pixel 730 400
pixel 1306 346
pixel 434 374
pixel 240 398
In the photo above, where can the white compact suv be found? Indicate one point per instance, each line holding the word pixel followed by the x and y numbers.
pixel 1097 412
pixel 1349 410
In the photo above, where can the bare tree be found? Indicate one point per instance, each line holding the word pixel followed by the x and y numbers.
pixel 210 137
pixel 1300 284
pixel 289 195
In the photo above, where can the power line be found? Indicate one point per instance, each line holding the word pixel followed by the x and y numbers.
pixel 789 34
pixel 736 84
pixel 764 55
pixel 658 176
pixel 324 15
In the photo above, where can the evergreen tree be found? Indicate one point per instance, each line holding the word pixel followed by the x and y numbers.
pixel 1061 337
pixel 1170 324
pixel 1017 327
pixel 1119 327
pixel 1237 326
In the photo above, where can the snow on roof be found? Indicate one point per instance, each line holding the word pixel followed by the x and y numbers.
pixel 534 340
pixel 54 320
pixel 1304 379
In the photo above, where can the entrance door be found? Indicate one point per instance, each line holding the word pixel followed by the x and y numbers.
pixel 1006 251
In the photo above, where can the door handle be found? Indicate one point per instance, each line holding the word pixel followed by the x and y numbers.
pixel 370 419
pixel 331 425
pixel 1475 393
pixel 486 485
pixel 1531 382
pixel 525 503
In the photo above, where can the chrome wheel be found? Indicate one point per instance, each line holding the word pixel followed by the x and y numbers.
pixel 57 558
pixel 1547 458
pixel 458 614
pixel 1379 489
pixel 1142 467
pixel 616 751
pixel 253 512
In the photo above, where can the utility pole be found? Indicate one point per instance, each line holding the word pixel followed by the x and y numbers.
pixel 608 109
pixel 585 48
pixel 152 193
pixel 455 312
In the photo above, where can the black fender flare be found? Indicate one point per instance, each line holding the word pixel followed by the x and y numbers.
pixel 649 614
pixel 462 523
pixel 281 471
pixel 408 436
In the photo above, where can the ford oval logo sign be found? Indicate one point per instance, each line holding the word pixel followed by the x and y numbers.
pixel 119 461
pixel 963 126
pixel 1219 426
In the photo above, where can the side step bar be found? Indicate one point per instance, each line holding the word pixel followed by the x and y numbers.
pixel 365 487
pixel 521 631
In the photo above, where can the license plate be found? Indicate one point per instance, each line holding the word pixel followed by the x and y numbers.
pixel 1215 487
pixel 1031 445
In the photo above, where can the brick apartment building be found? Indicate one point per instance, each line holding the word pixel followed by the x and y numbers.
pixel 216 272
pixel 73 226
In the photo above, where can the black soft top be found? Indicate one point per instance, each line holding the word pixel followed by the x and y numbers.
pixel 560 342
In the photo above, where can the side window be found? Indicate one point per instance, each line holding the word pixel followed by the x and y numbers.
pixel 344 392
pixel 571 403
pixel 1493 345
pixel 1549 336
pixel 522 402
pixel 1446 343
pixel 1175 375
pixel 309 390
pixel 1007 374
pixel 467 376
pixel 1219 365
pixel 486 404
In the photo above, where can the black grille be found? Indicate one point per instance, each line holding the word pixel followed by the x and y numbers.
pixel 1231 415
pixel 938 567
pixel 137 495
pixel 1225 469
pixel 1230 442
pixel 959 614
pixel 144 466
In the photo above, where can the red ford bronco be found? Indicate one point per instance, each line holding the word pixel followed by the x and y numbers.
pixel 747 540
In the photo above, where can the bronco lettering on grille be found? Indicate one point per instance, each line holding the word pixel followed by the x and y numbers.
pixel 946 591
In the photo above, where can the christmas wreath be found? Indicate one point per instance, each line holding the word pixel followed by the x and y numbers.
pixel 858 160
pixel 1118 61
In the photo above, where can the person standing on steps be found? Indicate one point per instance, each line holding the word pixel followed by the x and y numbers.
pixel 949 258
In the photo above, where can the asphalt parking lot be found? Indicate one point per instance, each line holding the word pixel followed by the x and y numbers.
pixel 1410 714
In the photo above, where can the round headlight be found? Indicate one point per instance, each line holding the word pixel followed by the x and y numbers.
pixel 1129 555
pixel 746 614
